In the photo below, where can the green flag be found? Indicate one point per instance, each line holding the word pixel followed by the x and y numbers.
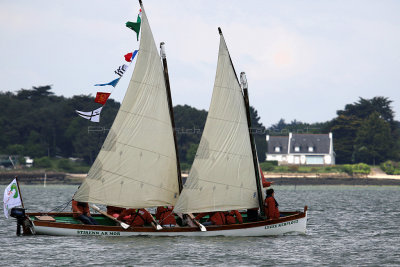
pixel 135 26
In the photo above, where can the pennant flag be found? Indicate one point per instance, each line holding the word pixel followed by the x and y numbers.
pixel 101 97
pixel 130 56
pixel 113 83
pixel 91 115
pixel 135 26
pixel 11 197
pixel 121 70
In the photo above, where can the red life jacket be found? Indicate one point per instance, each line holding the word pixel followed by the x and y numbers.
pixel 80 208
pixel 218 218
pixel 271 210
pixel 137 217
pixel 232 216
pixel 114 211
pixel 165 215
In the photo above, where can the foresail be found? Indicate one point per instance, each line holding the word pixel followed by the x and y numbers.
pixel 136 166
pixel 222 176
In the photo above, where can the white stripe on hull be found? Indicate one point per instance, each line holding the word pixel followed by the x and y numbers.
pixel 296 225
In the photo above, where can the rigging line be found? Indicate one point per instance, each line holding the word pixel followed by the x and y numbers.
pixel 165 217
pixel 56 208
pixel 129 64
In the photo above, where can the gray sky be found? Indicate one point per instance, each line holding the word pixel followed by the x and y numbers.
pixel 304 59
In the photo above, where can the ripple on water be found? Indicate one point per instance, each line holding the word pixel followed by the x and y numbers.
pixel 347 226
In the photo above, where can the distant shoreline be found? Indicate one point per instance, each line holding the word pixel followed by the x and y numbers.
pixel 37 177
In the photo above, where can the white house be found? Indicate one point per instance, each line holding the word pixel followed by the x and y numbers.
pixel 301 149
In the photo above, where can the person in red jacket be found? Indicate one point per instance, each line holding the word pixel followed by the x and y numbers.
pixel 138 217
pixel 233 216
pixel 81 212
pixel 252 214
pixel 114 211
pixel 165 216
pixel 271 205
pixel 216 218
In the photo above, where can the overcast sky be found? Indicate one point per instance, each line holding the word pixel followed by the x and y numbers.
pixel 304 59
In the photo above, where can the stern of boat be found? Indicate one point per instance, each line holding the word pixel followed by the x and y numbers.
pixel 23 221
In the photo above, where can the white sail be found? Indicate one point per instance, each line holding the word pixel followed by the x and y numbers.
pixel 136 167
pixel 222 176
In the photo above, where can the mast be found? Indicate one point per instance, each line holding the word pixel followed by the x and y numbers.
pixel 243 80
pixel 171 112
pixel 19 191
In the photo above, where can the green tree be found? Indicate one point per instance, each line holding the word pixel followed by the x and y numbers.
pixel 43 162
pixel 189 125
pixel 349 121
pixel 344 130
pixel 259 133
pixel 373 143
pixel 191 153
pixel 365 107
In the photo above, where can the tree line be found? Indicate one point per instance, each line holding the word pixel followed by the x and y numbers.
pixel 36 123
pixel 363 132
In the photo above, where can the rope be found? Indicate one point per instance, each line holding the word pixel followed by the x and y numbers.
pixel 58 207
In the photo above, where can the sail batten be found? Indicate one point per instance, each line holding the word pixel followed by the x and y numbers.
pixel 222 176
pixel 136 167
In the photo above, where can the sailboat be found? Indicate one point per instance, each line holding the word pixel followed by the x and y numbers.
pixel 138 164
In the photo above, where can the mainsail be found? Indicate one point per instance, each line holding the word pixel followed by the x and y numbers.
pixel 136 167
pixel 222 176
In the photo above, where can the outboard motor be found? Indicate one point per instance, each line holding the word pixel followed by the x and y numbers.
pixel 22 220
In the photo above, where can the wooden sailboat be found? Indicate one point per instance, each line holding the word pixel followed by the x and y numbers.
pixel 138 166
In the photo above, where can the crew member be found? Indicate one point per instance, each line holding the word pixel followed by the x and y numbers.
pixel 233 217
pixel 81 212
pixel 252 214
pixel 114 211
pixel 136 217
pixel 216 218
pixel 271 205
pixel 165 216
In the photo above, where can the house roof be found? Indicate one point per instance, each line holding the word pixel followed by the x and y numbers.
pixel 319 142
pixel 278 141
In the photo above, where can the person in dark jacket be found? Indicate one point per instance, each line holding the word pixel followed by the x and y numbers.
pixel 271 205
pixel 82 212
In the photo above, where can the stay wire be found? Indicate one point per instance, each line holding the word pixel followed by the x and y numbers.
pixel 57 208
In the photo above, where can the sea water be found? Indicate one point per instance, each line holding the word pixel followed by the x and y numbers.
pixel 347 226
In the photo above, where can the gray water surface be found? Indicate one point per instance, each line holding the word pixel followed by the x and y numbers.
pixel 347 226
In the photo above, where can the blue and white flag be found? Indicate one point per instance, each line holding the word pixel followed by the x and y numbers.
pixel 113 83
pixel 12 197
pixel 91 115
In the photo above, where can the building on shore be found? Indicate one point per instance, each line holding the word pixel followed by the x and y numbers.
pixel 301 149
